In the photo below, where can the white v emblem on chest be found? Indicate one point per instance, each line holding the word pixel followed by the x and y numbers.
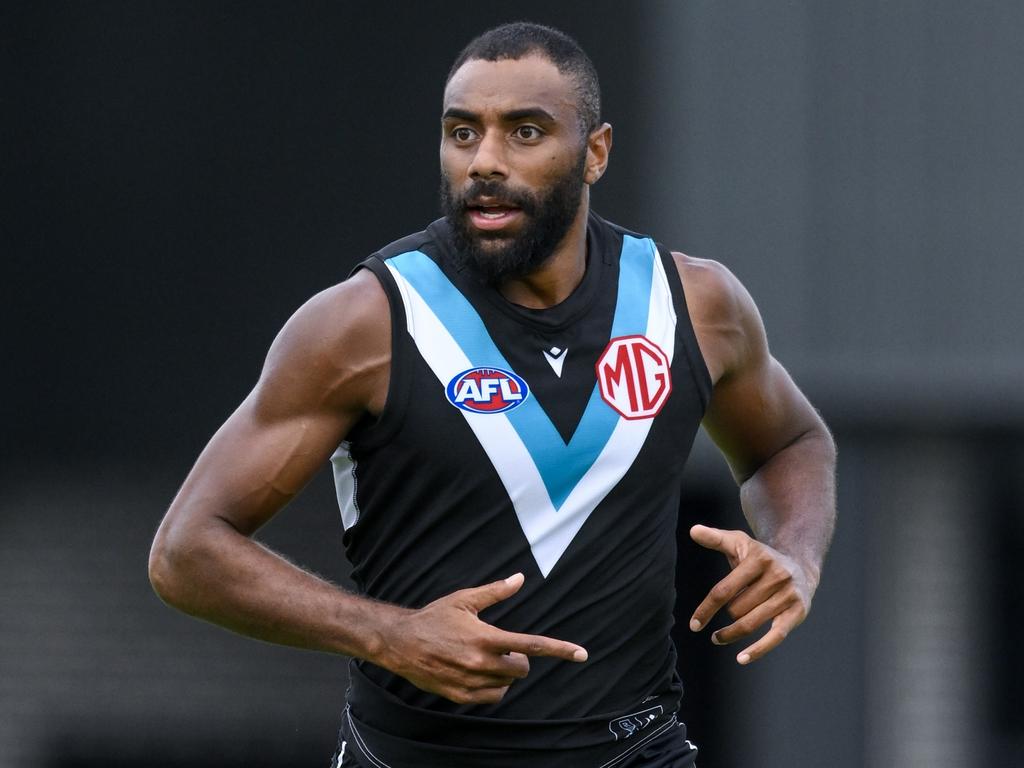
pixel 553 486
pixel 556 357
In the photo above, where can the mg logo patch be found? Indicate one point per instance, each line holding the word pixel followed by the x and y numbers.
pixel 487 390
pixel 634 377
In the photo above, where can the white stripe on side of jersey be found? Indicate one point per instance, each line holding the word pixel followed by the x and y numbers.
pixel 345 485
pixel 548 531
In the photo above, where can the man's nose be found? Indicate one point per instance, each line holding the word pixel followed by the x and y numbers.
pixel 489 161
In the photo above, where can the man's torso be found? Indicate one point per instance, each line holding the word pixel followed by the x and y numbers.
pixel 549 442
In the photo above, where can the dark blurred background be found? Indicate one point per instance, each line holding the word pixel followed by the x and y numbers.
pixel 179 176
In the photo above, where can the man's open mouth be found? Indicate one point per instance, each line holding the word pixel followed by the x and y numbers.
pixel 488 215
pixel 494 211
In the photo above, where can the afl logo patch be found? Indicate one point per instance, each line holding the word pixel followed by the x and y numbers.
pixel 487 390
pixel 634 377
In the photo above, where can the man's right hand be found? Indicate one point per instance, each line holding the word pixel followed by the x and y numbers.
pixel 444 648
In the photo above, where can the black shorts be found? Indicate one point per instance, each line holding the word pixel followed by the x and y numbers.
pixel 669 750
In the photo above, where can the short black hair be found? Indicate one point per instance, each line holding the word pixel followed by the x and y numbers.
pixel 522 38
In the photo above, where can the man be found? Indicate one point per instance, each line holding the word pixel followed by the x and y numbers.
pixel 509 398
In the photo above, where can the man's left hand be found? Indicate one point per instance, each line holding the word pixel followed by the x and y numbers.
pixel 764 585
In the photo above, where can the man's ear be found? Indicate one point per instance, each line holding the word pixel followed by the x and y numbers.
pixel 599 146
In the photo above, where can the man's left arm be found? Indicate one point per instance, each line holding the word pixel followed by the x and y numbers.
pixel 781 454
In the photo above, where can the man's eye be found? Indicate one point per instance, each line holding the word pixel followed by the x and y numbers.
pixel 528 132
pixel 462 134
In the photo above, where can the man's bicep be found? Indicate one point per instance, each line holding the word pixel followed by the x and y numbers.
pixel 256 462
pixel 321 375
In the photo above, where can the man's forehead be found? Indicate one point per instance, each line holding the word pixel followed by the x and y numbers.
pixel 480 84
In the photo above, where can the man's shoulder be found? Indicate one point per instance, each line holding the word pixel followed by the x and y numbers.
pixel 712 286
pixel 723 313
pixel 341 314
pixel 334 350
pixel 712 291
pixel 358 303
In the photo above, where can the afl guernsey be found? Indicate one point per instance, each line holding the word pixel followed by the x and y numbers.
pixel 550 442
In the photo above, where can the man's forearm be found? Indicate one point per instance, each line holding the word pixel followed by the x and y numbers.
pixel 219 575
pixel 790 501
pixel 216 573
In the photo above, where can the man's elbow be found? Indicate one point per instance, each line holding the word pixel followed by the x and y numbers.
pixel 167 567
pixel 822 435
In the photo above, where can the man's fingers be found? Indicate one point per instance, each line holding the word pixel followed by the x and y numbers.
pixel 477 680
pixel 515 665
pixel 712 538
pixel 782 625
pixel 748 623
pixel 724 591
pixel 539 645
pixel 478 598
pixel 759 592
pixel 733 544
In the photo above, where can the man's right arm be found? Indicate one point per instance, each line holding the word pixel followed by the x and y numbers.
pixel 318 379
pixel 328 366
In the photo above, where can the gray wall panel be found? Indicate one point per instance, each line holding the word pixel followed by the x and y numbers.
pixel 859 166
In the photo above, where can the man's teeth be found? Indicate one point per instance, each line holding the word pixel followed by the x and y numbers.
pixel 492 214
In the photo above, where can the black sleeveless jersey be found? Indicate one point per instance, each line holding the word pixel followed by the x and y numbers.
pixel 550 442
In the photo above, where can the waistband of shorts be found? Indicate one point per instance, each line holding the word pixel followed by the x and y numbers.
pixel 386 714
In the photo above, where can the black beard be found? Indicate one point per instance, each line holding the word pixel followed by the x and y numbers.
pixel 548 217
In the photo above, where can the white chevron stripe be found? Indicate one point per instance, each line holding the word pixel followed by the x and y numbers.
pixel 548 531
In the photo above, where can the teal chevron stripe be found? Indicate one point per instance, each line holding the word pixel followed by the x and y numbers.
pixel 561 465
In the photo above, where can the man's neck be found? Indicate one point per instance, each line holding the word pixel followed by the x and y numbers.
pixel 556 278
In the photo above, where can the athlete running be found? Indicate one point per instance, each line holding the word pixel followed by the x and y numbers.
pixel 508 398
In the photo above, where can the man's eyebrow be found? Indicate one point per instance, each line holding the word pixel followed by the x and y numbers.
pixel 460 114
pixel 512 116
pixel 528 113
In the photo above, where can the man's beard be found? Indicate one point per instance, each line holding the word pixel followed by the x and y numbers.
pixel 546 219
